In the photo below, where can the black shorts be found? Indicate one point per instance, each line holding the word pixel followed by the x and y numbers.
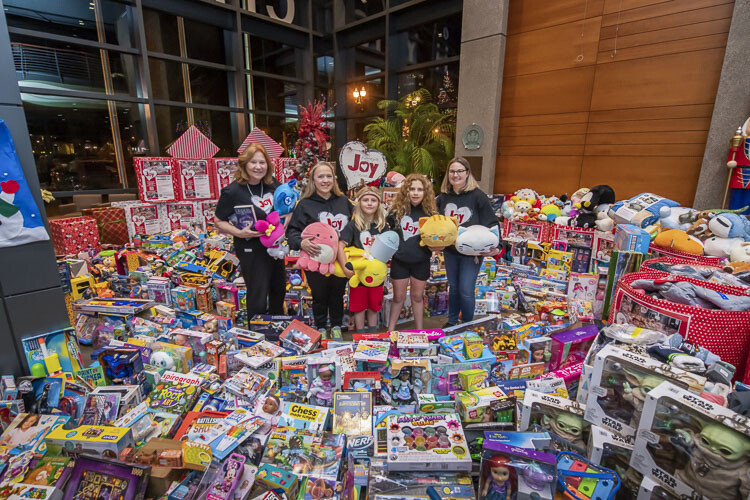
pixel 402 270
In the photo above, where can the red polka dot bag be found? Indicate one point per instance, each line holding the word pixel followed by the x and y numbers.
pixel 725 333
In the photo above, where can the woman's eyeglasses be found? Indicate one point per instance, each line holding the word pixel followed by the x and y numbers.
pixel 457 172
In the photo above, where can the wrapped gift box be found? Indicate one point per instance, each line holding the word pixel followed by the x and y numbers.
pixel 157 180
pixel 111 222
pixel 195 179
pixel 74 234
pixel 283 169
pixel 222 171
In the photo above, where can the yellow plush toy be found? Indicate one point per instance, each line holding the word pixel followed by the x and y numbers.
pixel 679 240
pixel 367 270
pixel 438 231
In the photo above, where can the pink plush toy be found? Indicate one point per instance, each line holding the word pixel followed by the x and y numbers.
pixel 327 239
pixel 273 237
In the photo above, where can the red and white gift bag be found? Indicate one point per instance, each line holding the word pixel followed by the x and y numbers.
pixel 222 171
pixel 156 179
pixel 725 333
pixel 195 179
pixel 283 169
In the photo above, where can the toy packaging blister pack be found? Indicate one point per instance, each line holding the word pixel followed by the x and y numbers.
pixel 610 450
pixel 562 418
pixel 517 472
pixel 692 446
pixel 306 453
pixel 427 442
pixel 620 382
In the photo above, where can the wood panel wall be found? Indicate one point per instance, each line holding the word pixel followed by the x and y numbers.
pixel 616 92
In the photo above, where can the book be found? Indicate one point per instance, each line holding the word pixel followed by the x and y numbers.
pixel 243 216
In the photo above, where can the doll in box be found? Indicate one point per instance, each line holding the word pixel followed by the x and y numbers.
pixel 498 479
pixel 270 411
pixel 403 389
pixel 322 387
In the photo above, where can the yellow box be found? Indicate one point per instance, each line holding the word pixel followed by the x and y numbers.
pixel 79 285
pixel 97 440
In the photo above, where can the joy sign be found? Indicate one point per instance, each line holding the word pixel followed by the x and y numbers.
pixel 361 164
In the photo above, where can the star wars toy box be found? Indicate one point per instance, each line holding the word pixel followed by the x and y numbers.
pixel 427 443
pixel 97 440
pixel 692 446
pixel 305 453
pixel 561 417
pixel 610 450
pixel 619 383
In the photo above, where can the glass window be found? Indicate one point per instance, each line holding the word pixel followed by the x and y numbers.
pixel 118 23
pixel 360 9
pixel 72 142
pixel 124 71
pixel 272 57
pixel 441 81
pixel 431 41
pixel 282 129
pixel 324 70
pixel 209 86
pixel 58 65
pixel 369 58
pixel 161 32
pixel 288 11
pixel 132 135
pixel 166 80
pixel 171 121
pixel 217 126
pixel 355 128
pixel 374 92
pixel 270 94
pixel 74 18
pixel 204 42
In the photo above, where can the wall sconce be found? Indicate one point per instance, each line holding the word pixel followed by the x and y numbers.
pixel 359 95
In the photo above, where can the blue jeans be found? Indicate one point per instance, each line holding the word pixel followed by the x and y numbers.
pixel 462 272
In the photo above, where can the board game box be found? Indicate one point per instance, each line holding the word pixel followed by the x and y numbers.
pixel 299 416
pixel 94 440
pixel 306 453
pixel 427 443
pixel 99 478
pixel 175 392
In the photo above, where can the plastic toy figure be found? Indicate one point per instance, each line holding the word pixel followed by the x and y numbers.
pixel 567 426
pixel 498 484
pixel 635 390
pixel 269 411
pixel 321 389
pixel 719 461
pixel 136 289
pixel 404 392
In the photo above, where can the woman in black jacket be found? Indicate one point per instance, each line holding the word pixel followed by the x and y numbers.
pixel 461 198
pixel 322 201
pixel 253 187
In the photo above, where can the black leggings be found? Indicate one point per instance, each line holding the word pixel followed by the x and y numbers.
pixel 328 298
pixel 265 279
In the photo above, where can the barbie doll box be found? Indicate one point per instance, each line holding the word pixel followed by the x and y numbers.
pixel 620 381
pixel 427 443
pixel 692 446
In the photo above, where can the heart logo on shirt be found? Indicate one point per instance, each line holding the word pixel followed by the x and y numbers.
pixel 338 222
pixel 139 220
pixel 366 239
pixel 409 228
pixel 265 202
pixel 188 174
pixel 175 217
pixel 463 214
pixel 149 173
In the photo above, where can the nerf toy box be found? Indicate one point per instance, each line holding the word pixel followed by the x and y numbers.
pixel 97 440
pixel 427 443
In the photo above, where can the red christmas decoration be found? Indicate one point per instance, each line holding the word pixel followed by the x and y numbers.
pixel 312 144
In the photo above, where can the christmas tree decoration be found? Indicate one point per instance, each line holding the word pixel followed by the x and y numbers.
pixel 20 219
pixel 312 144
pixel 447 91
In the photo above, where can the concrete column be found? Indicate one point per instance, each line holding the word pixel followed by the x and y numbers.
pixel 31 297
pixel 731 109
pixel 480 81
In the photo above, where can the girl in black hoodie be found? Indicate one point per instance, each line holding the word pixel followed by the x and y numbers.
pixel 461 198
pixel 410 266
pixel 322 201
